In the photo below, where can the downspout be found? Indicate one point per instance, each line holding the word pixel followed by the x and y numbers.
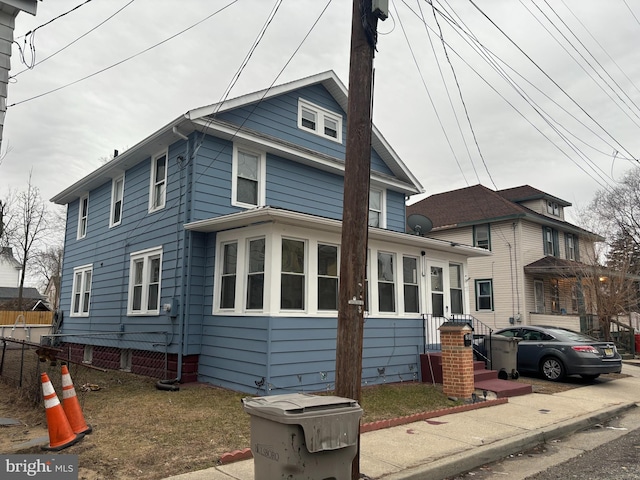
pixel 170 384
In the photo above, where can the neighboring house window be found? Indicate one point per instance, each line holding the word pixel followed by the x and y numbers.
pixel 327 277
pixel 158 190
pixel 553 208
pixel 455 287
pixel 81 291
pixel 292 279
pixel 83 215
pixel 376 208
pixel 484 295
pixel 320 121
pixel 255 275
pixel 410 280
pixel 571 246
pixel 482 236
pixel 386 283
pixel 248 187
pixel 574 298
pixel 144 282
pixel 555 295
pixel 228 279
pixel 117 195
pixel 550 241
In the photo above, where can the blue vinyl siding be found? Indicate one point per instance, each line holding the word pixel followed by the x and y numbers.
pixel 302 352
pixel 396 211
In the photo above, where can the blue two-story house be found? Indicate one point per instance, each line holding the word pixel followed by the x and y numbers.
pixel 210 250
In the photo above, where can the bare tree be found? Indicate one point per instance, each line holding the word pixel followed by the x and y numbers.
pixel 47 260
pixel 31 226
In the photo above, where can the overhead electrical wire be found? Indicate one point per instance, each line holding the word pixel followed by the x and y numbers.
pixel 587 62
pixel 74 41
pixel 126 59
pixel 239 127
pixel 466 111
pixel 424 84
pixel 551 79
pixel 547 118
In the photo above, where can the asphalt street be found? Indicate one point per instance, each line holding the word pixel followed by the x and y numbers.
pixel 610 450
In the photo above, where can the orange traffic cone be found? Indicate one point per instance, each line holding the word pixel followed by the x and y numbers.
pixel 71 405
pixel 60 433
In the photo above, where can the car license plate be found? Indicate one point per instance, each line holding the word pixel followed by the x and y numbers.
pixel 608 352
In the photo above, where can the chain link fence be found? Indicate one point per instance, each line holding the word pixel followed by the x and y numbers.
pixel 23 362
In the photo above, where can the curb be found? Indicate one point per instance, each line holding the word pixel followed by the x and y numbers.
pixel 468 460
pixel 245 453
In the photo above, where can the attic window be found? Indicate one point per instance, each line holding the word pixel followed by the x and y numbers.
pixel 553 208
pixel 319 121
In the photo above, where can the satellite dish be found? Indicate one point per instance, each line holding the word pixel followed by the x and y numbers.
pixel 419 224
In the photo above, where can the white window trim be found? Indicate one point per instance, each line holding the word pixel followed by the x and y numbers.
pixel 314 269
pixel 262 176
pixel 82 270
pixel 152 180
pixel 394 258
pixel 146 255
pixel 383 205
pixel 81 233
pixel 304 275
pixel 321 114
pixel 114 200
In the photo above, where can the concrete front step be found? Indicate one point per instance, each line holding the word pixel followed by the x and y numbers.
pixel 503 388
pixel 483 379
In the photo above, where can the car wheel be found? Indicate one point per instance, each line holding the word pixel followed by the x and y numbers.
pixel 591 376
pixel 552 369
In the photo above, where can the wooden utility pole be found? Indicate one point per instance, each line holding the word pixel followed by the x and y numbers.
pixel 355 215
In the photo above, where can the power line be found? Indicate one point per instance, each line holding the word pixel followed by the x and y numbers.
pixel 74 41
pixel 549 77
pixel 126 59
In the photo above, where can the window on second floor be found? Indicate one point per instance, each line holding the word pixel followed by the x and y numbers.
pixel 484 295
pixel 145 273
pixel 117 196
pixel 248 170
pixel 81 291
pixel 550 238
pixel 377 208
pixel 83 216
pixel 158 187
pixel 320 121
pixel 482 236
pixel 571 247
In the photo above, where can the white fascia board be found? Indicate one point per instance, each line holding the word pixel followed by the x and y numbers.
pixel 274 215
pixel 294 152
pixel 155 142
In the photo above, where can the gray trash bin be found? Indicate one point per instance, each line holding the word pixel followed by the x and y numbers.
pixel 298 436
pixel 504 356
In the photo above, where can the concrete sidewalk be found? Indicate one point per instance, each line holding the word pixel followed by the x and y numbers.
pixel 445 446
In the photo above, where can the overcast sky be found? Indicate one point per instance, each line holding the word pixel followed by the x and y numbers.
pixel 562 117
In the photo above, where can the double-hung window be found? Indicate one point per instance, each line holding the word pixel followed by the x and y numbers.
pixel 319 121
pixel 248 186
pixel 386 283
pixel 255 274
pixel 571 244
pixel 81 291
pixel 455 288
pixel 228 278
pixel 144 282
pixel 327 277
pixel 376 208
pixel 83 216
pixel 158 188
pixel 482 236
pixel 484 295
pixel 410 280
pixel 117 196
pixel 292 279
pixel 550 236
